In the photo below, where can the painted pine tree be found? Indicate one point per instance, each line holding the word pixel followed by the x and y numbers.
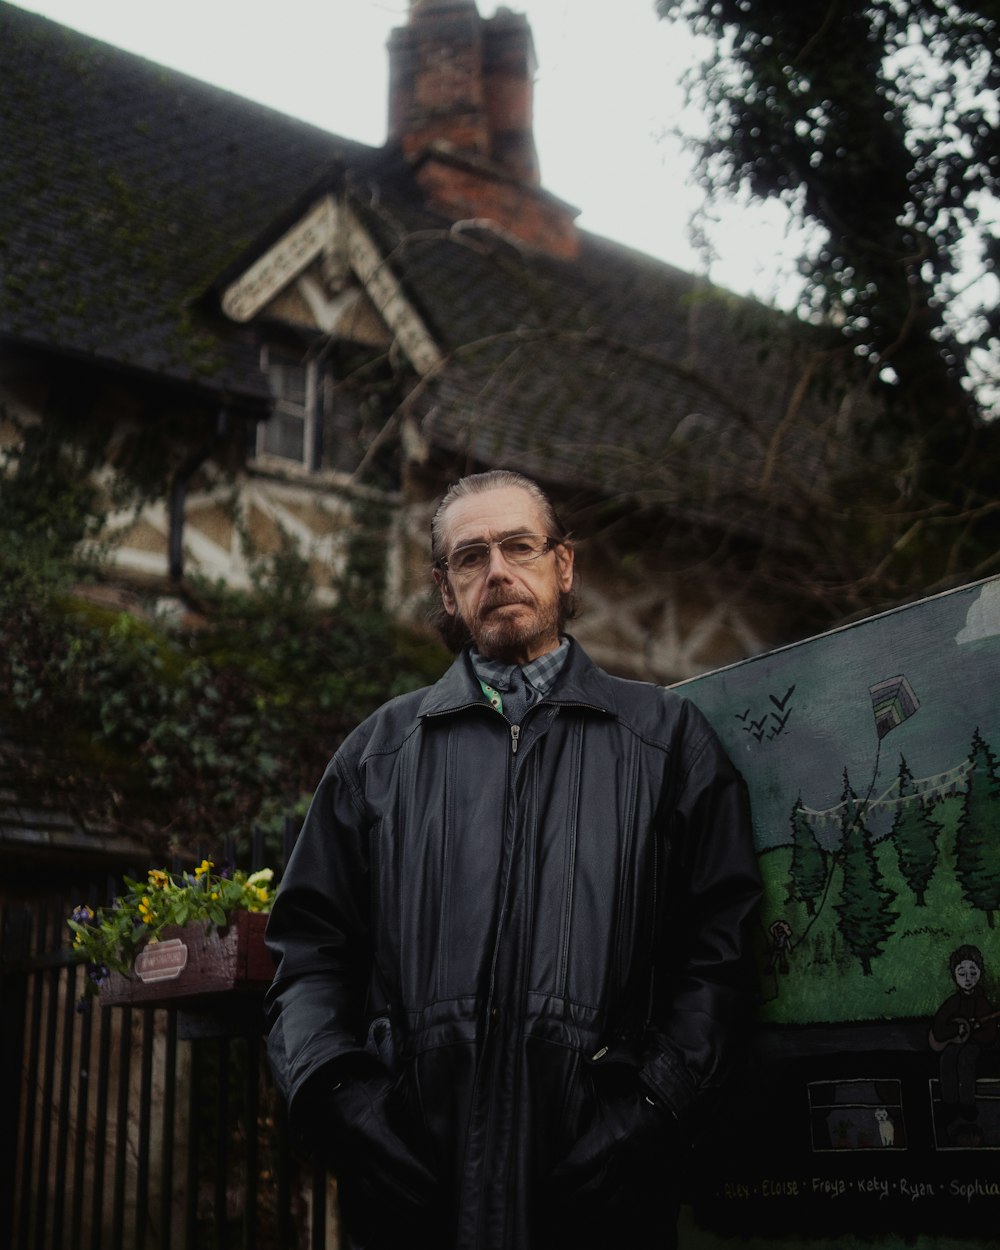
pixel 977 839
pixel 866 919
pixel 808 868
pixel 915 834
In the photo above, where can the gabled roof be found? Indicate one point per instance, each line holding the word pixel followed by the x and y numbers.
pixel 126 189
pixel 132 194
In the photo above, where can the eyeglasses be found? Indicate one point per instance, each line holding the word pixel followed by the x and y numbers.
pixel 515 549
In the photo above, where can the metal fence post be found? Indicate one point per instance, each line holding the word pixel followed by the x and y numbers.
pixel 15 943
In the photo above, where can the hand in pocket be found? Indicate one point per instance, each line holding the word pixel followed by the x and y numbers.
pixel 365 1145
pixel 627 1138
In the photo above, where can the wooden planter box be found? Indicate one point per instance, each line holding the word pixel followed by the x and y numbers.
pixel 190 965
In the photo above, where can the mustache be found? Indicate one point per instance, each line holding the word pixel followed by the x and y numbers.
pixel 501 599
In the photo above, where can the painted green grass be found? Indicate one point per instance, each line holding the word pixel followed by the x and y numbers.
pixel 909 977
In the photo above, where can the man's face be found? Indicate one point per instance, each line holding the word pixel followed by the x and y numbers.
pixel 511 610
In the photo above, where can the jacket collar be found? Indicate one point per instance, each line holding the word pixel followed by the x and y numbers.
pixel 581 682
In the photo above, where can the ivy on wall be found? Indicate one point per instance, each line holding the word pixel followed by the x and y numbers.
pixel 185 727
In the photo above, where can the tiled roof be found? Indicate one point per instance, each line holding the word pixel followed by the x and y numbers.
pixel 614 371
pixel 129 190
pixel 126 188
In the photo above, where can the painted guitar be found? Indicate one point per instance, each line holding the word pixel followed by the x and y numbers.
pixel 965 1031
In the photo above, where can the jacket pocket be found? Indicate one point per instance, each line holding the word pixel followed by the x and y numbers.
pixel 580 1100
pixel 428 1105
pixel 563 1102
pixel 382 1045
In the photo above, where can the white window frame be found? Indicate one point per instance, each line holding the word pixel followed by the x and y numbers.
pixel 308 411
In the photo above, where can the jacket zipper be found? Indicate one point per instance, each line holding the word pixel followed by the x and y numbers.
pixel 488 1056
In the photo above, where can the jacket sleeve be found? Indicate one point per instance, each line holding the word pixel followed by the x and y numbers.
pixel 704 994
pixel 319 933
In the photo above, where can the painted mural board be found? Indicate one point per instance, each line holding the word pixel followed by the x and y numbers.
pixel 870 1100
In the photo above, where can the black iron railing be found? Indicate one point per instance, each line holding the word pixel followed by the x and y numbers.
pixel 146 1127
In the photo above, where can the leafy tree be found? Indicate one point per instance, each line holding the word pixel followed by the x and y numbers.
pixel 185 735
pixel 915 833
pixel 977 847
pixel 808 868
pixel 875 121
pixel 865 918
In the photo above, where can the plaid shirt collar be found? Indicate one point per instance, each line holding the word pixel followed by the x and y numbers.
pixel 540 674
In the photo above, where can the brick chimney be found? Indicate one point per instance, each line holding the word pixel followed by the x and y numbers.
pixel 460 107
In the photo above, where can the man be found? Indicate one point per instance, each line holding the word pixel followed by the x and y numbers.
pixel 513 935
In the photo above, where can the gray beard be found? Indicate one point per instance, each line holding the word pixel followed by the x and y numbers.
pixel 496 638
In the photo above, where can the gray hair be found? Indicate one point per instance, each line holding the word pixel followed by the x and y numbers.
pixel 479 484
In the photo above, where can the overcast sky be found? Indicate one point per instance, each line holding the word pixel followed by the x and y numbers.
pixel 607 95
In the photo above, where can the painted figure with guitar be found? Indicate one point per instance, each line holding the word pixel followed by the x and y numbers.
pixel 963 1024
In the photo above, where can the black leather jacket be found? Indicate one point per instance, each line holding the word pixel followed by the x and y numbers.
pixel 540 931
